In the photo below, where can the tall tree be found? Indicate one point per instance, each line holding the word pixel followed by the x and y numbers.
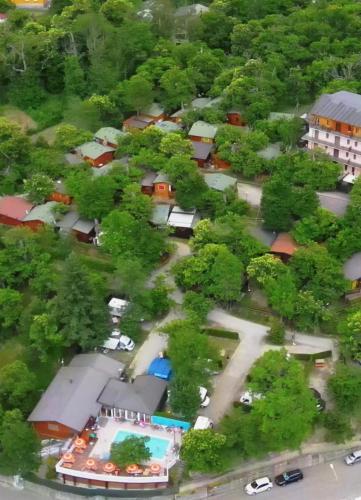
pixel 81 312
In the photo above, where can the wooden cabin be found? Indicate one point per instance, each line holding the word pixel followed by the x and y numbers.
pixel 95 154
pixel 202 132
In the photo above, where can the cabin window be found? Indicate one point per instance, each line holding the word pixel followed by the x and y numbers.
pixel 354 157
pixel 349 128
pixel 53 427
pixel 356 143
pixel 345 167
pixel 347 155
pixel 161 187
pixel 327 136
pixel 348 141
pixel 353 170
pixel 328 122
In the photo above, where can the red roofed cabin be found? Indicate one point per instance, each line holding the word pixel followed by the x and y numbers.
pixel 284 246
pixel 13 210
pixel 219 163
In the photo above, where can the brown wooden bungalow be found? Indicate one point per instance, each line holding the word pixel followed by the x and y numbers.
pixel 147 183
pixel 13 209
pixel 134 123
pixel 95 154
pixel 201 152
pixel 235 117
pixel 59 194
pixel 202 132
pixel 163 187
pixel 284 246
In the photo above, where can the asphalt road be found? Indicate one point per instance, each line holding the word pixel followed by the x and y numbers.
pixel 321 482
pixel 8 493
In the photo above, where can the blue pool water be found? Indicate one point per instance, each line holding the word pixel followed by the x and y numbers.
pixel 157 446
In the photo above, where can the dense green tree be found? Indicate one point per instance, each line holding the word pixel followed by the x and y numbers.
pixel 173 144
pixel 68 137
pixel 125 236
pixel 10 307
pixel 18 387
pixel 196 306
pixel 276 204
pixel 338 427
pixel 345 388
pixel 350 330
pixel 44 335
pixel 137 204
pixel 116 10
pixel 215 271
pixel 74 78
pixel 184 397
pixel 318 272
pixel 317 227
pixel 276 333
pixel 202 451
pixel 178 88
pixel 132 450
pixel 38 188
pixel 138 93
pixel 14 145
pixel 81 311
pixel 20 447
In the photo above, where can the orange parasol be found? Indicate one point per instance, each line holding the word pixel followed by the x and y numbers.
pixel 68 457
pixel 90 463
pixel 155 468
pixel 131 469
pixel 109 467
pixel 80 443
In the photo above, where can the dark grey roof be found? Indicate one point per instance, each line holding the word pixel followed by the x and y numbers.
pixel 201 150
pixel 71 398
pixel 352 267
pixel 143 395
pixel 342 106
pixel 148 179
pixel 67 222
pixel 84 226
pixel 334 202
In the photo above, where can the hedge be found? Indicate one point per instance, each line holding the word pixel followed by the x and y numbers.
pixel 217 332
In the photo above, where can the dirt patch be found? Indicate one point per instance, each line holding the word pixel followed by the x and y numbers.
pixel 48 134
pixel 19 117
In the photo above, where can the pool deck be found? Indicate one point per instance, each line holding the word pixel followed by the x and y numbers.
pixel 100 451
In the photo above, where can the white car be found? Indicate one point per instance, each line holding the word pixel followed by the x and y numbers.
pixel 248 397
pixel 205 399
pixel 258 486
pixel 353 458
pixel 125 343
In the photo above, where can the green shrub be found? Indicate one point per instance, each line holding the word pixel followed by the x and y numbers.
pixel 49 113
pixel 50 468
pixel 276 334
pixel 338 427
pixel 217 332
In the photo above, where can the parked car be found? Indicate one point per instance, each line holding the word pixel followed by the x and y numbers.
pixel 353 458
pixel 320 402
pixel 258 486
pixel 125 343
pixel 291 476
pixel 205 399
pixel 248 397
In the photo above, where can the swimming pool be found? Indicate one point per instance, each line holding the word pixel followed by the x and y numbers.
pixel 157 446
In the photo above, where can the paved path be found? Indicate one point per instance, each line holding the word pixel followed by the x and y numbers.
pixel 251 193
pixel 320 483
pixel 9 493
pixel 228 384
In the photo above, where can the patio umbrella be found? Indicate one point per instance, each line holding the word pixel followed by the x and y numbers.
pixel 80 443
pixel 90 463
pixel 131 469
pixel 68 457
pixel 109 467
pixel 155 468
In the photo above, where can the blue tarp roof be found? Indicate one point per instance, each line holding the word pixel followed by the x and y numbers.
pixel 161 368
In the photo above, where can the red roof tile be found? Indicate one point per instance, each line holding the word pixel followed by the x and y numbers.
pixel 14 207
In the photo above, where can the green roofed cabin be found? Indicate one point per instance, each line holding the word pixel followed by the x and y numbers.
pixel 220 182
pixel 95 154
pixel 108 136
pixel 202 132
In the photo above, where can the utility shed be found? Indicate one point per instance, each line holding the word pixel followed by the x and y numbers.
pixel 220 182
pixel 183 221
pixel 96 154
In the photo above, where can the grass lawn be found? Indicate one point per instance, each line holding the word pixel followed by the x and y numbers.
pixel 10 351
pixel 18 116
pixel 226 347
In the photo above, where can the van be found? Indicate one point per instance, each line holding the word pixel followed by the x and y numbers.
pixel 203 423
